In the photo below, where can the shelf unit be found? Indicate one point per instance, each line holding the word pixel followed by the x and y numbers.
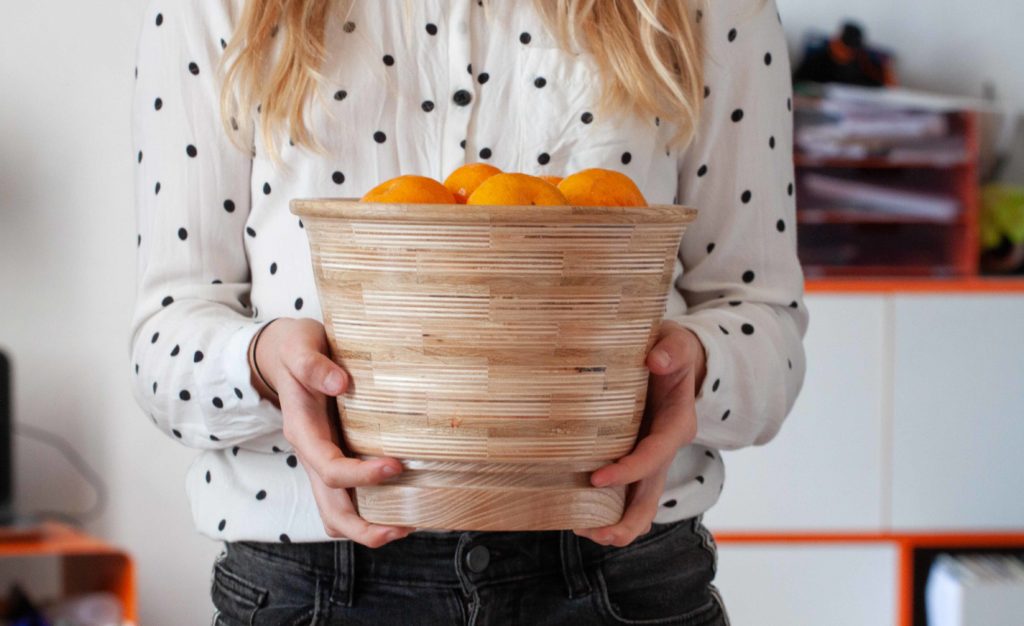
pixel 832 238
pixel 88 564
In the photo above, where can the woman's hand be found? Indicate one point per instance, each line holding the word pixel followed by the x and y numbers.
pixel 677 364
pixel 292 356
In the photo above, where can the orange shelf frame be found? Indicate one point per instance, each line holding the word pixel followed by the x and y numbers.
pixel 906 543
pixel 88 564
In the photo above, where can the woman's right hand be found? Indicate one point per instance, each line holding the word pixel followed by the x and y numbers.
pixel 292 356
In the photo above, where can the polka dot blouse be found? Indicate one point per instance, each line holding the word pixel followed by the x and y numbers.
pixel 219 253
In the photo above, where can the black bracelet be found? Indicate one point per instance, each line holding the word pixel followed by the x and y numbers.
pixel 255 364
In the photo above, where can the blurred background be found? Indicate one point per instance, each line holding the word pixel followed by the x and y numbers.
pixel 892 488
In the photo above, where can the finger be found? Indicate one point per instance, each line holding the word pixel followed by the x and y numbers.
pixel 638 515
pixel 670 428
pixel 670 354
pixel 316 371
pixel 309 432
pixel 340 519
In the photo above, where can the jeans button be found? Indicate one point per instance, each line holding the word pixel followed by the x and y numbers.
pixel 478 558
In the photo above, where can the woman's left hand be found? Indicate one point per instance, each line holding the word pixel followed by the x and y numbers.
pixel 677 363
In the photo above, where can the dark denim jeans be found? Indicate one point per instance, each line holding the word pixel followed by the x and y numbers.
pixel 500 578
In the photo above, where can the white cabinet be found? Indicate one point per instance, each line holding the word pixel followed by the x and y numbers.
pixel 808 585
pixel 958 412
pixel 824 470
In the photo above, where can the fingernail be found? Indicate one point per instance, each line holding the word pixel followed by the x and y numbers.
pixel 333 382
pixel 662 358
pixel 601 481
pixel 388 470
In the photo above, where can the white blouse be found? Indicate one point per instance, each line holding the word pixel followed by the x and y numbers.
pixel 456 81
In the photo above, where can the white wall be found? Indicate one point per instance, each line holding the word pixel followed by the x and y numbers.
pixel 951 46
pixel 67 242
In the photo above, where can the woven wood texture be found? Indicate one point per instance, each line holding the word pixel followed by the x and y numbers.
pixel 497 351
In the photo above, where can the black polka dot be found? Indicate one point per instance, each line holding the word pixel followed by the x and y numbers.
pixel 266 189
pixel 208 477
pixel 431 29
pixel 285 538
pixel 789 363
pixel 485 153
pixel 191 151
pixel 214 438
pixel 229 206
pixel 771 142
pixel 193 68
pixel 136 368
pixel 737 115
pixel 748 329
pixel 793 304
pixel 724 330
pixel 626 158
pixel 155 336
pixel 483 78
pixel 234 451
pixel 732 34
pixel 238 393
pixel 217 281
pixel 185 395
pixel 223 44
pixel 734 303
pixel 298 304
pixel 707 91
pixel 587 117
pixel 539 82
pixel 158 104
pixel 261 494
pixel 300 224
pixel 525 38
pixel 222 524
pixel 156 188
pixel 711 246
pixel 167 301
pixel 389 60
pixel 154 386
pixel 217 402
pixel 702 171
pixel 745 197
pixel 140 156
pixel 273 268
pixel 669 503
pixel 159 19
pixel 714 387
pixel 427 106
pixel 767 58
pixel 725 415
pixel 789 189
pixel 469 69
pixel 276 449
pixel 700 479
pixel 182 234
pixel 380 137
pixel 544 158
pixel 176 350
pixel 292 460
pixel 250 231
pixel 789 104
pixel 462 97
pixel 349 27
pixel 198 356
pixel 780 226
pixel 338 178
pixel 176 433
pixel 340 95
pixel 748 276
pixel 462 144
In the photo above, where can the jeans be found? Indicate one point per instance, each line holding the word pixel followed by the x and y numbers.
pixel 500 578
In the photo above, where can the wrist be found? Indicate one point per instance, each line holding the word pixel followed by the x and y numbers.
pixel 260 362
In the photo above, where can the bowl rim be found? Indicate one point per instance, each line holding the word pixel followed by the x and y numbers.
pixel 352 208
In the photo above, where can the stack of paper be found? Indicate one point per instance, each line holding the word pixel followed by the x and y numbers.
pixel 849 194
pixel 976 590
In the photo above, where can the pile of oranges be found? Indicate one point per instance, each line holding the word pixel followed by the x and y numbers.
pixel 483 184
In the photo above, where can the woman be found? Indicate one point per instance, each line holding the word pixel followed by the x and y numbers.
pixel 330 98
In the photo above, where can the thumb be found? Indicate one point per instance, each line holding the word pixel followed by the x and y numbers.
pixel 670 354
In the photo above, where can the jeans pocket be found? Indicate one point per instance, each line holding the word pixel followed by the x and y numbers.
pixel 665 580
pixel 236 600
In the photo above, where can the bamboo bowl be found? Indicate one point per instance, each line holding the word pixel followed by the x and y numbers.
pixel 497 351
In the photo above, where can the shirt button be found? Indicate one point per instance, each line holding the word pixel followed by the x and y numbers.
pixel 462 97
pixel 478 558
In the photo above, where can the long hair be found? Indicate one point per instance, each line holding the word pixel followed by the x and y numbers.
pixel 648 54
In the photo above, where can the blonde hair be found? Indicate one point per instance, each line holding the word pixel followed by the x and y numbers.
pixel 648 54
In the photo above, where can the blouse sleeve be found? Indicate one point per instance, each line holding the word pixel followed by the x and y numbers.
pixel 191 325
pixel 741 280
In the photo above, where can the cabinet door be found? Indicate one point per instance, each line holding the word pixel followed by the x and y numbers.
pixel 958 411
pixel 823 470
pixel 803 585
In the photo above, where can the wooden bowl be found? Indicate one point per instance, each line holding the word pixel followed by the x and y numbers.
pixel 497 351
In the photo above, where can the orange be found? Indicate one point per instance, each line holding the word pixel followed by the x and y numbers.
pixel 464 181
pixel 410 189
pixel 516 189
pixel 600 187
pixel 554 180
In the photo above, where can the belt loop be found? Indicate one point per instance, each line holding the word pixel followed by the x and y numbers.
pixel 344 570
pixel 573 571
